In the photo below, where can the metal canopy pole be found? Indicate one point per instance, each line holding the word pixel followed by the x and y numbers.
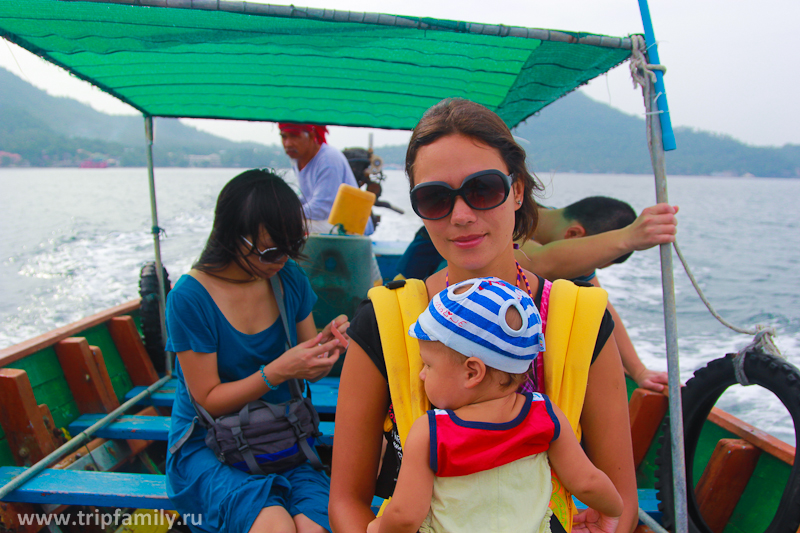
pixel 658 122
pixel 156 231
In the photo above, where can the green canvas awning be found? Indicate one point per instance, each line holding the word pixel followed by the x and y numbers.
pixel 239 60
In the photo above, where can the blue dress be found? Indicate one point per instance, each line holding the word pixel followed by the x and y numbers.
pixel 210 495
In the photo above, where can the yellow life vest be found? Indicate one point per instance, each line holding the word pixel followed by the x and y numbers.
pixel 566 361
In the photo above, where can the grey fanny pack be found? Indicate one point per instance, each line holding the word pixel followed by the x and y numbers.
pixel 264 438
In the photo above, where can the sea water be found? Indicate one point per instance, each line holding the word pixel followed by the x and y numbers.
pixel 72 242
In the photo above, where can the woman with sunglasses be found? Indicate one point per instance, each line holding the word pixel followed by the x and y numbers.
pixel 470 185
pixel 224 324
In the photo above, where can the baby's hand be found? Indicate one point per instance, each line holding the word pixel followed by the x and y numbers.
pixel 374 526
pixel 591 521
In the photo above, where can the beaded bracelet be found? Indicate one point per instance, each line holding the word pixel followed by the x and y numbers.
pixel 270 385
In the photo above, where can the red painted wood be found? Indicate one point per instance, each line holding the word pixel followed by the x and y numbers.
pixel 643 529
pixel 56 434
pixel 724 480
pixel 9 517
pixel 753 435
pixel 83 376
pixel 108 387
pixel 22 421
pixel 646 409
pixel 132 351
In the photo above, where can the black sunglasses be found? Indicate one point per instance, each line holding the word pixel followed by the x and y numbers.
pixel 482 190
pixel 274 254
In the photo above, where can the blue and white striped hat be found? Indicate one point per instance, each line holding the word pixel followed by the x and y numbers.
pixel 474 324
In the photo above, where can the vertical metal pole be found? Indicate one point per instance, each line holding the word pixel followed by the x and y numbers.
pixel 156 231
pixel 671 331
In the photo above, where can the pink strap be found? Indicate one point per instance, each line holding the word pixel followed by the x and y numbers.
pixel 543 313
pixel 538 365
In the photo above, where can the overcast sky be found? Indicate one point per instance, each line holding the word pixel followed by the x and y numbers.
pixel 732 64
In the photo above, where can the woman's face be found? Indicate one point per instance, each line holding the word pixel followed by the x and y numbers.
pixel 467 238
pixel 267 264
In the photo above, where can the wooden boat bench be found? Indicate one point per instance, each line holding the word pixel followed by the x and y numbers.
pixel 151 427
pixel 142 491
pixel 324 393
pixel 101 489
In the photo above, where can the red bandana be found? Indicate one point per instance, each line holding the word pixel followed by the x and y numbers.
pixel 297 129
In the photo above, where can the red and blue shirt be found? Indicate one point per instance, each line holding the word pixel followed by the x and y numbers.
pixel 462 447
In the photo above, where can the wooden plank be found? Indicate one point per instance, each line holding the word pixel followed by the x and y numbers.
pixel 163 397
pixel 648 502
pixel 153 427
pixel 724 480
pixel 107 388
pixel 753 435
pixel 138 445
pixel 9 517
pixel 132 351
pixel 83 376
pixel 102 489
pixel 126 427
pixel 57 435
pixel 324 394
pixel 21 418
pixel 646 409
pixel 18 351
pixel 643 529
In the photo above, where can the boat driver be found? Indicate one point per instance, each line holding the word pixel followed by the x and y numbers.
pixel 320 170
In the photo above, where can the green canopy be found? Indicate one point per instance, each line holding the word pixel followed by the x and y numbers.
pixel 239 60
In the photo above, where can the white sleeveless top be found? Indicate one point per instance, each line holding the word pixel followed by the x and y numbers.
pixel 514 498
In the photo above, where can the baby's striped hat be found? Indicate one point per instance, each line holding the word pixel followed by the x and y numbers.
pixel 473 323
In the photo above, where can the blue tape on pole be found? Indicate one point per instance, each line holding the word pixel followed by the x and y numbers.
pixel 668 136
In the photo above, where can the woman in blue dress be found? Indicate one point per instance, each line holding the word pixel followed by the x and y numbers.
pixel 223 322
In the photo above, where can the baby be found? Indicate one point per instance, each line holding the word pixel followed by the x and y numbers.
pixel 479 462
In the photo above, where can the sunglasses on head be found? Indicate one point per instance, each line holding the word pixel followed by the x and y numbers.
pixel 270 255
pixel 482 190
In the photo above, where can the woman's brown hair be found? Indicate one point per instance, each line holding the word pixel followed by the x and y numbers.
pixel 458 116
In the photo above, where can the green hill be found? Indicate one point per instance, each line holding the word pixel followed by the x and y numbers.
pixel 578 134
pixel 574 134
pixel 55 131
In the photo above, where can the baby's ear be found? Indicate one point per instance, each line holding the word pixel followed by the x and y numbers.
pixel 475 371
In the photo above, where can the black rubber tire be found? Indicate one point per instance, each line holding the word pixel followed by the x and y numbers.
pixel 698 397
pixel 149 315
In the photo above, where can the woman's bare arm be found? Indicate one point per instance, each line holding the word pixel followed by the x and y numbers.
pixel 631 363
pixel 607 430
pixel 202 375
pixel 361 408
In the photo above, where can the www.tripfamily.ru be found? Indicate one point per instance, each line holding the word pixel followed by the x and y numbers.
pixel 117 518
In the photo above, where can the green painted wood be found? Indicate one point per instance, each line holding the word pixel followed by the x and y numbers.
pixel 709 437
pixel 6 457
pixel 100 336
pixel 49 385
pixel 646 473
pixel 763 493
